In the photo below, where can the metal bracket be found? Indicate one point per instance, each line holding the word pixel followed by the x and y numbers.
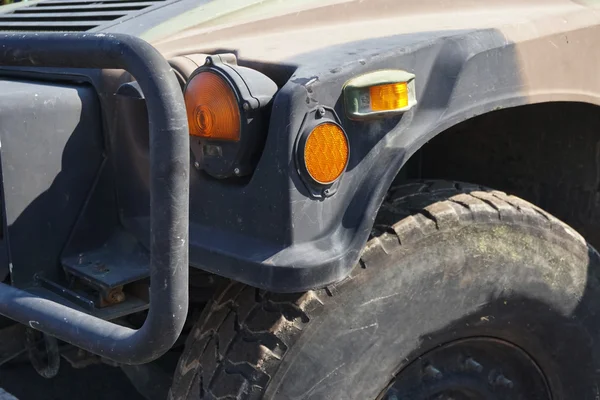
pixel 169 197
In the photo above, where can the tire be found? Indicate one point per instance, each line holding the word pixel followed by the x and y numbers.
pixel 458 285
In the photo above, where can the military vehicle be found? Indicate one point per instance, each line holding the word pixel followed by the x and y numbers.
pixel 304 199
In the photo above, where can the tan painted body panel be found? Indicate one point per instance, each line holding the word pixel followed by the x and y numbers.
pixel 557 41
pixel 559 64
pixel 270 32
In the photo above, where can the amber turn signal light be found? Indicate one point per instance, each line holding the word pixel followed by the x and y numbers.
pixel 212 108
pixel 227 109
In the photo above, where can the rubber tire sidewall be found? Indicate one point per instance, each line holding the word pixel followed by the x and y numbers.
pixel 529 285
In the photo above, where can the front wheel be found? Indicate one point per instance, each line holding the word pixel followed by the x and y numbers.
pixel 461 293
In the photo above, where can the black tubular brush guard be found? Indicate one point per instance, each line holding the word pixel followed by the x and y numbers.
pixel 169 197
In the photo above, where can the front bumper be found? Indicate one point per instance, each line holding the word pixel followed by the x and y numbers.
pixel 169 198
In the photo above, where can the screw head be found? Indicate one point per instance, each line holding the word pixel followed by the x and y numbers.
pixel 197 165
pixel 246 106
pixel 473 365
pixel 321 111
pixel 501 380
pixel 236 171
pixel 432 372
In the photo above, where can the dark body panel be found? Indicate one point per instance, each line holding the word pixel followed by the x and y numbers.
pixel 51 151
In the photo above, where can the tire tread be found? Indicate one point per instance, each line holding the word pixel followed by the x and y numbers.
pixel 242 335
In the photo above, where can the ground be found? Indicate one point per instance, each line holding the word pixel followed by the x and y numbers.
pixel 92 383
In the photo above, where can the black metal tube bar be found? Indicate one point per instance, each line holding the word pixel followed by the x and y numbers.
pixel 169 197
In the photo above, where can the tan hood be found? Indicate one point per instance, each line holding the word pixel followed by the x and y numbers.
pixel 275 30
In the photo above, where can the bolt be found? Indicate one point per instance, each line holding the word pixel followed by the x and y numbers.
pixel 473 365
pixel 321 111
pixel 502 381
pixel 432 372
pixel 236 171
pixel 115 296
pixel 197 165
pixel 327 192
pixel 208 61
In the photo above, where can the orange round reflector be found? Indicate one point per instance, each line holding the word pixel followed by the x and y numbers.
pixel 326 153
pixel 212 108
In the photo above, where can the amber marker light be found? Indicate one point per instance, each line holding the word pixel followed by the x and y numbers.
pixel 379 94
pixel 212 108
pixel 392 96
pixel 326 153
